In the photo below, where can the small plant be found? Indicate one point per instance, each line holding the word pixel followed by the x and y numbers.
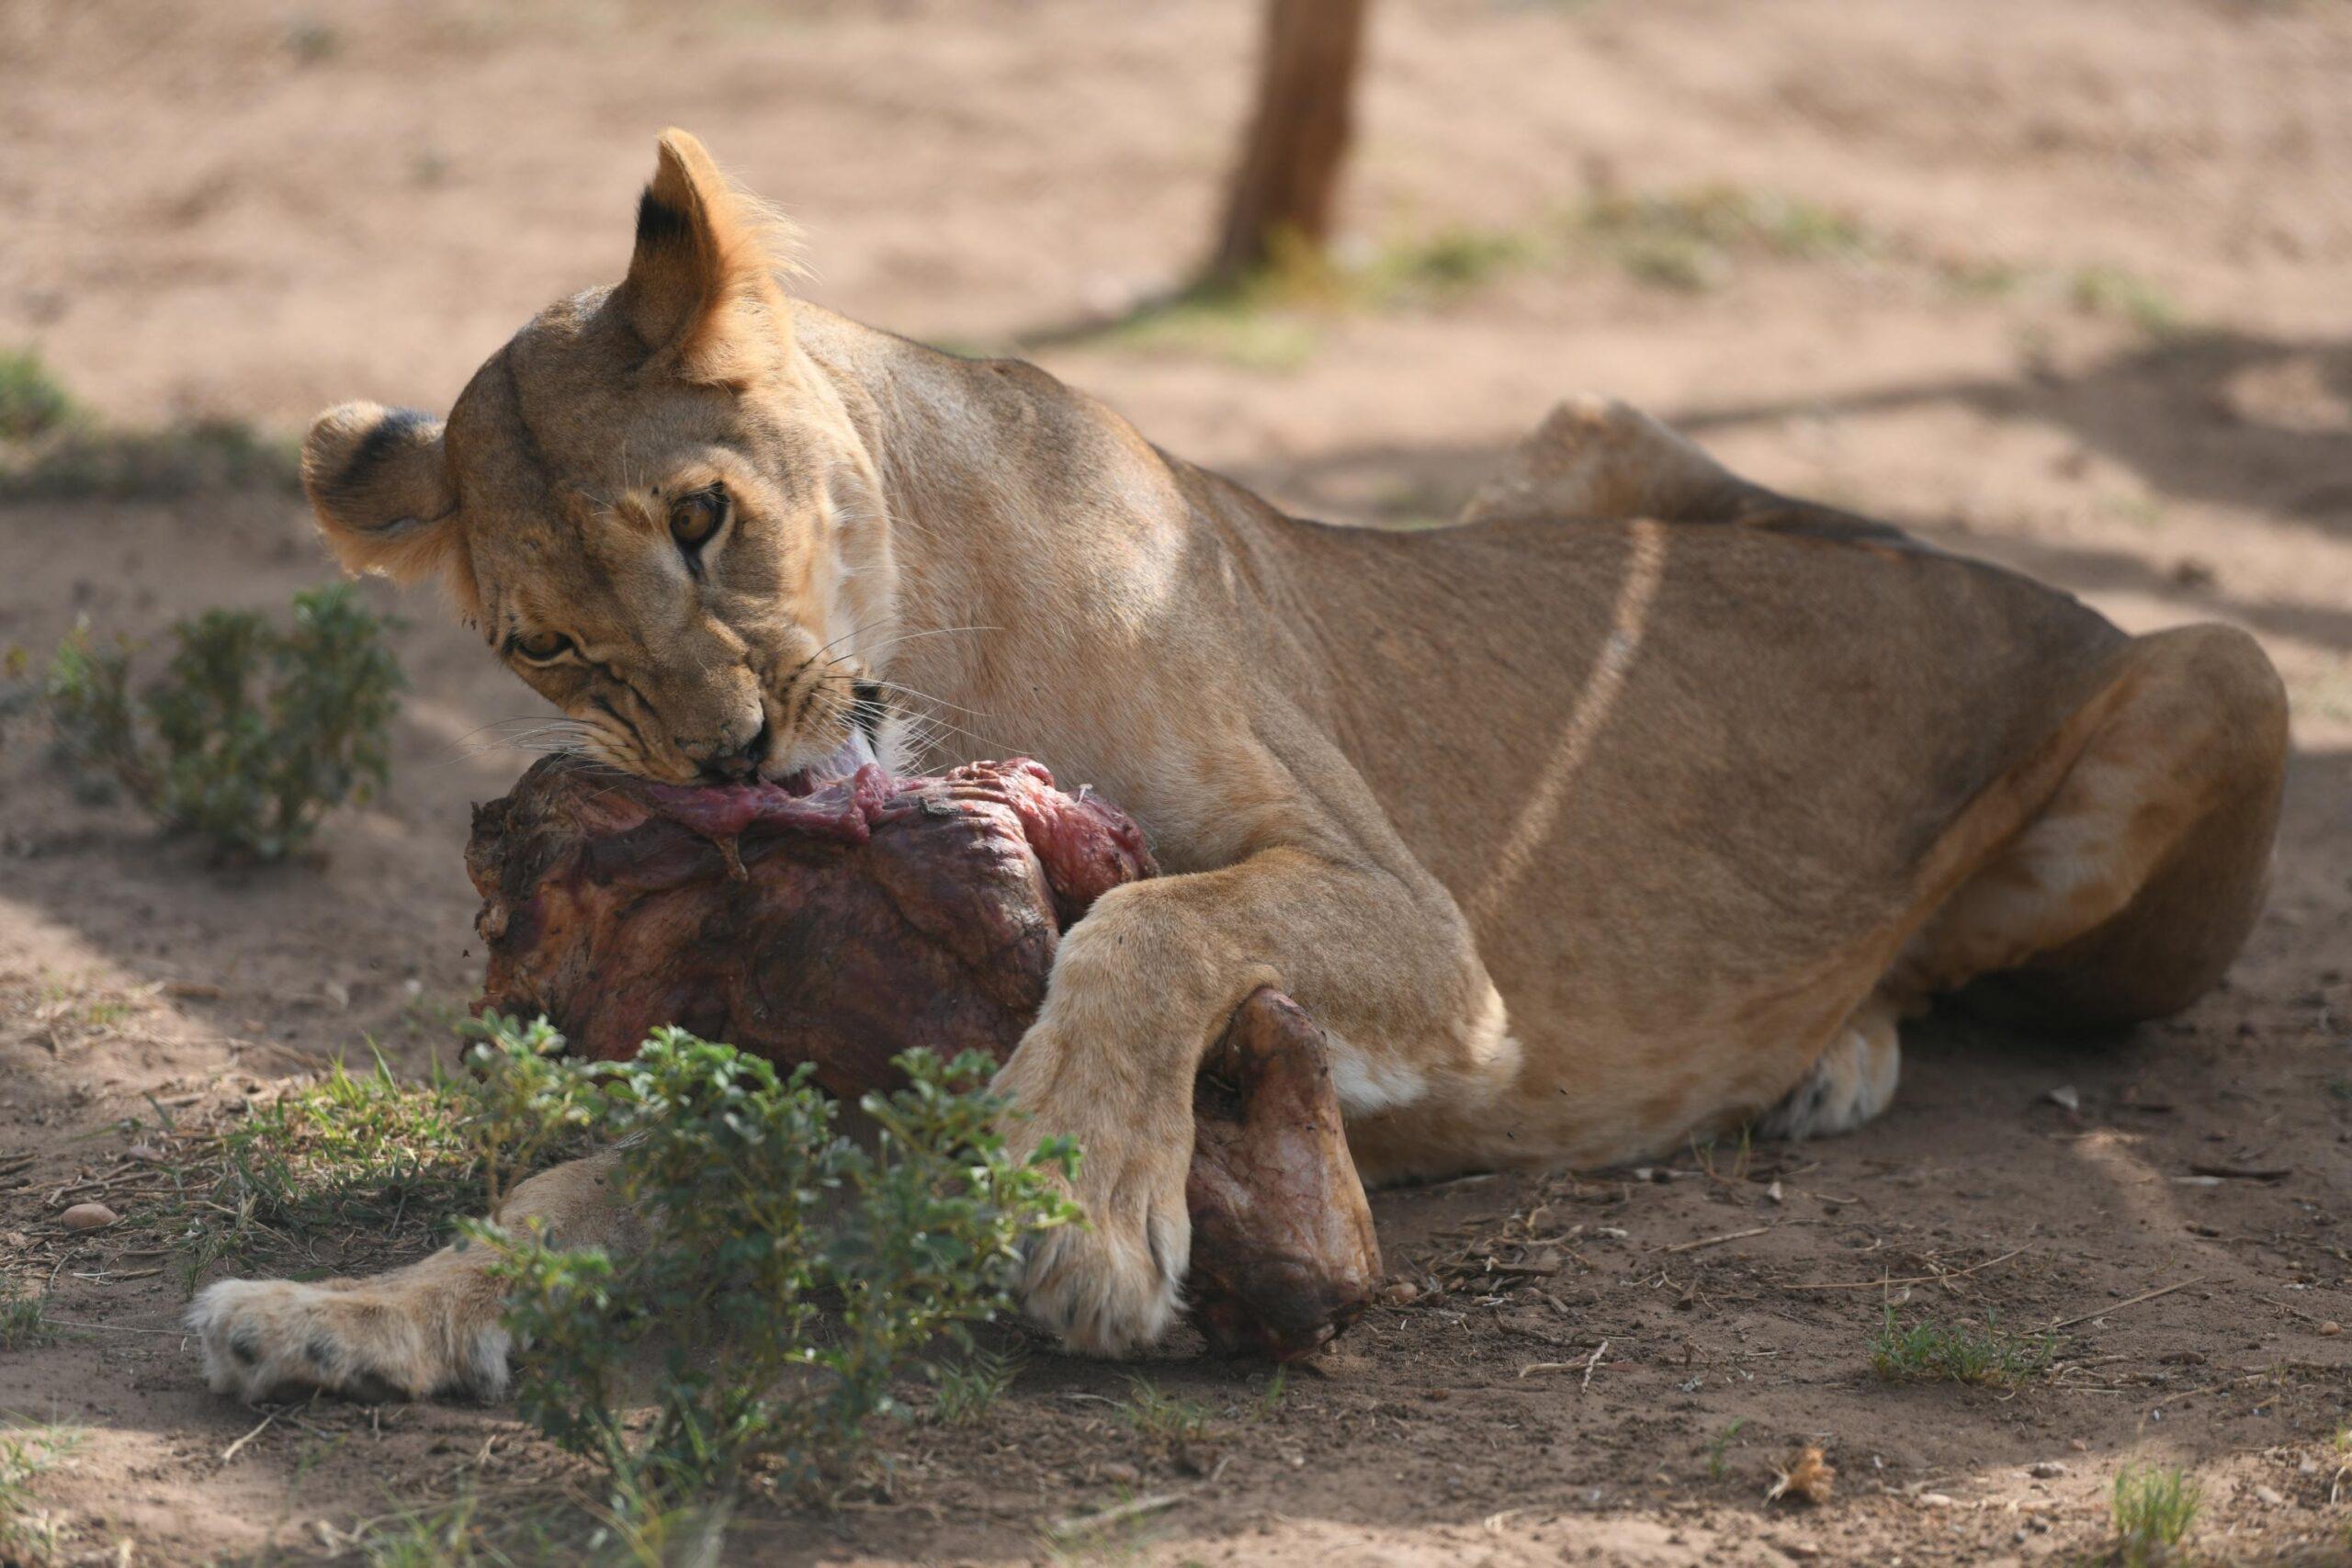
pixel 523 1106
pixel 356 1152
pixel 1719 1447
pixel 24 1319
pixel 28 1532
pixel 428 1538
pixel 80 461
pixel 463 1533
pixel 2114 291
pixel 1743 1158
pixel 32 402
pixel 1927 1353
pixel 1447 265
pixel 1270 1399
pixel 251 733
pixel 366 1152
pixel 1162 1417
pixel 2154 1510
pixel 968 1391
pixel 1247 324
pixel 53 449
pixel 1274 319
pixel 1689 240
pixel 311 42
pixel 801 1272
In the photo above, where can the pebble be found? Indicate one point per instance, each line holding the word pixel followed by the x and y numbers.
pixel 1121 1474
pixel 1936 1500
pixel 2330 1329
pixel 2047 1470
pixel 1400 1291
pixel 2268 1494
pixel 87 1217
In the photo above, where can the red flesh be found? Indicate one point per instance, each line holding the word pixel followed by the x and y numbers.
pixel 847 924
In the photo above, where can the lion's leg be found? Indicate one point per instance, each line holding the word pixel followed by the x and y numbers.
pixel 1144 984
pixel 2127 896
pixel 1851 1081
pixel 431 1328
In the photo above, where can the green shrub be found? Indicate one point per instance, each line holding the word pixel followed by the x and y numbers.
pixel 251 733
pixel 798 1274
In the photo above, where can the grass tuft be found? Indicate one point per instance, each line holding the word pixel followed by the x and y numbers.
pixel 377 1159
pixel 24 1319
pixel 53 449
pixel 967 1392
pixel 1159 1417
pixel 30 1533
pixel 1454 262
pixel 1691 241
pixel 1246 325
pixel 188 458
pixel 1269 1402
pixel 2153 1510
pixel 1989 1355
pixel 2117 291
pixel 1274 319
pixel 32 401
pixel 1718 1449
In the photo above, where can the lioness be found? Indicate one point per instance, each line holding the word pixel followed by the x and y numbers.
pixel 1642 802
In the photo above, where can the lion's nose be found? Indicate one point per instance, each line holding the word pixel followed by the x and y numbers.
pixel 732 764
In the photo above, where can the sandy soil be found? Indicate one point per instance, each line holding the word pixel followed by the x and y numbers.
pixel 251 210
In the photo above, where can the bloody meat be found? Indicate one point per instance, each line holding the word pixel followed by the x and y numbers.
pixel 843 925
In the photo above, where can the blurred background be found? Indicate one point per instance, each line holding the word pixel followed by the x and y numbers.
pixel 2062 283
pixel 2071 283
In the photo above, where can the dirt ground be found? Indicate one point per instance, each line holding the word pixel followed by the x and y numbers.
pixel 2092 318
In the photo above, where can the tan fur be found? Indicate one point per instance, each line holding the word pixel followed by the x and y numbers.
pixel 1643 802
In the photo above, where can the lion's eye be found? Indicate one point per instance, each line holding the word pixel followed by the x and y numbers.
pixel 695 518
pixel 541 646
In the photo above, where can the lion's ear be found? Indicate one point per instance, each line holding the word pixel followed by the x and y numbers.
pixel 378 479
pixel 701 283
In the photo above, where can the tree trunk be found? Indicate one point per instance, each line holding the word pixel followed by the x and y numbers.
pixel 1298 136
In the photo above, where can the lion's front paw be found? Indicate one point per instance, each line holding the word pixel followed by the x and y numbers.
pixel 278 1338
pixel 1109 1287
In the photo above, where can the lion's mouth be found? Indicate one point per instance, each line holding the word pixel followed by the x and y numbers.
pixel 720 811
pixel 844 761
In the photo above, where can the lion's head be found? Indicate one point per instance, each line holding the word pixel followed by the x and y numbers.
pixel 648 502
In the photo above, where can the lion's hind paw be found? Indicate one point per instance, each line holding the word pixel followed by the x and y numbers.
pixel 266 1339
